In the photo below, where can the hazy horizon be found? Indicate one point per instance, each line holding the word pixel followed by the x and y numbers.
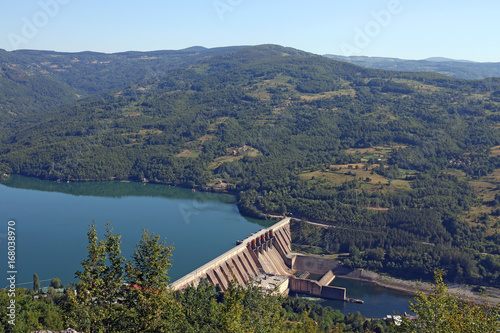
pixel 391 28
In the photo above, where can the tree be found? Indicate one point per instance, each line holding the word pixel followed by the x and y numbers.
pixel 154 307
pixel 200 306
pixel 151 262
pixel 95 309
pixel 36 283
pixel 442 312
pixel 55 283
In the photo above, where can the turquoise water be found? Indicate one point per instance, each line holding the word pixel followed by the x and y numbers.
pixel 52 220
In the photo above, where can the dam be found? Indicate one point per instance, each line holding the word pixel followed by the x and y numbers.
pixel 266 257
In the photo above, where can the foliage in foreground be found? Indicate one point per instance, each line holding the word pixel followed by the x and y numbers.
pixel 118 296
pixel 442 312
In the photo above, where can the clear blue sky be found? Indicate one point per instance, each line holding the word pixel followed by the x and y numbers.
pixel 408 29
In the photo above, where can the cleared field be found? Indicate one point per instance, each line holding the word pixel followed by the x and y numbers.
pixel 495 151
pixel 189 153
pixel 377 152
pixel 340 92
pixel 481 214
pixel 213 126
pixel 234 154
pixel 370 181
pixel 205 138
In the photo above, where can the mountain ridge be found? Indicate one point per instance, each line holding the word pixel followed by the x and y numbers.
pixel 461 69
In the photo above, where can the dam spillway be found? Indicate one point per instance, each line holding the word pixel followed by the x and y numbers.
pixel 265 252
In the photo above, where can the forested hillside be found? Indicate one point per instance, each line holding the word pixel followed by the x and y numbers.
pixel 404 165
pixel 33 81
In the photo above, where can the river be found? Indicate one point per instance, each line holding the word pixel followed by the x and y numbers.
pixel 52 220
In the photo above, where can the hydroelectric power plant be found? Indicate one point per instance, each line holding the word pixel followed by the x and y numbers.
pixel 266 257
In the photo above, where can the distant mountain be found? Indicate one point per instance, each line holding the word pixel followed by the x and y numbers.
pixel 443 59
pixel 32 80
pixel 460 69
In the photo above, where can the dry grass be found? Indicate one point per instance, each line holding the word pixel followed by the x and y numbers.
pixel 189 153
pixel 339 174
pixel 206 138
pixel 214 125
pixel 153 131
pixel 486 188
pixel 252 152
pixel 495 151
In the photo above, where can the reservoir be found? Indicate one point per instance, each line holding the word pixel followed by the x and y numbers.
pixel 52 221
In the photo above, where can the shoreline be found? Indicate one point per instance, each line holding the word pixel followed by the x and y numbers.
pixel 491 297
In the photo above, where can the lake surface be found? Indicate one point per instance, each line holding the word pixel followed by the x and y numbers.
pixel 379 301
pixel 52 221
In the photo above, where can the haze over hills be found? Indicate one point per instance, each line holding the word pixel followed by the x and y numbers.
pixel 461 69
pixel 405 164
pixel 443 59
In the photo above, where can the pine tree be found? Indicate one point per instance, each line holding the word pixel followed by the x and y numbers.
pixel 36 283
pixel 94 309
pixel 155 309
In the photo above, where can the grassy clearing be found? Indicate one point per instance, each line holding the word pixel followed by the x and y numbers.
pixel 419 86
pixel 378 152
pixel 189 153
pixel 481 214
pixel 370 181
pixel 153 131
pixel 213 126
pixel 495 151
pixel 234 154
pixel 194 148
pixel 205 138
pixel 262 89
pixel 328 94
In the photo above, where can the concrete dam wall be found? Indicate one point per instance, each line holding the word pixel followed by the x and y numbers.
pixel 265 252
pixel 265 257
pixel 319 288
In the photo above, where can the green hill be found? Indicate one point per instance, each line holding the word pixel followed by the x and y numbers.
pixel 404 164
pixel 44 79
